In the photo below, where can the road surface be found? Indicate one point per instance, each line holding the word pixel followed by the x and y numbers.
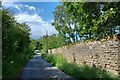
pixel 38 68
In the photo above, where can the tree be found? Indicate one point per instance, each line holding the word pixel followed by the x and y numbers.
pixel 54 41
pixel 15 36
pixel 63 23
pixel 38 45
pixel 16 45
pixel 93 20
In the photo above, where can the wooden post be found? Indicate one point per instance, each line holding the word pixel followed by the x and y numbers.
pixel 47 41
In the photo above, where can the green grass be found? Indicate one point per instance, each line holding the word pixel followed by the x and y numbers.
pixel 11 67
pixel 76 70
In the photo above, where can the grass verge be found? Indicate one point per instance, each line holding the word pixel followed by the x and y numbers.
pixel 11 67
pixel 75 70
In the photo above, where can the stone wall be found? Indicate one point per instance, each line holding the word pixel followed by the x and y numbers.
pixel 105 54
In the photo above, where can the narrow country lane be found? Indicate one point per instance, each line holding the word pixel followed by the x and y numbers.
pixel 38 68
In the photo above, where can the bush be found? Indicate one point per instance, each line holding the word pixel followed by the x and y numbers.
pixel 13 65
pixel 16 49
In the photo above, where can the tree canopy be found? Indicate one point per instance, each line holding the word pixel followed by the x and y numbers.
pixel 52 41
pixel 79 21
pixel 15 36
pixel 16 45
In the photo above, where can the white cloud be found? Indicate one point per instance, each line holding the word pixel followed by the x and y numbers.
pixel 25 7
pixel 37 24
pixel 7 4
pixel 52 20
pixel 17 7
pixel 30 7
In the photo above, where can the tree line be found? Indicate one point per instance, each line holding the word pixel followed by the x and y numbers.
pixel 15 36
pixel 49 42
pixel 17 47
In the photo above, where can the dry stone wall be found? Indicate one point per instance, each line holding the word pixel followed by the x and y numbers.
pixel 105 54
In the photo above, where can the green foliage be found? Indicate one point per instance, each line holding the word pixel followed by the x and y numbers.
pixel 86 20
pixel 50 42
pixel 16 45
pixel 15 36
pixel 13 66
pixel 77 71
pixel 33 45
pixel 44 52
pixel 56 60
pixel 38 45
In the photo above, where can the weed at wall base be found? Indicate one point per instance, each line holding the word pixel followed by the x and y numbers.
pixel 77 71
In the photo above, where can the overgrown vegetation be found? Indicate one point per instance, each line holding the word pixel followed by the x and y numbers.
pixel 75 70
pixel 17 48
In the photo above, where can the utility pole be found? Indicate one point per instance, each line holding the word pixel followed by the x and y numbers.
pixel 47 41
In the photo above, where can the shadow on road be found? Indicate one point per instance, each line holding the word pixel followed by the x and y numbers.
pixel 38 68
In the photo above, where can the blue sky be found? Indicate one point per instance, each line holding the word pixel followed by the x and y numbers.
pixel 46 8
pixel 38 15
